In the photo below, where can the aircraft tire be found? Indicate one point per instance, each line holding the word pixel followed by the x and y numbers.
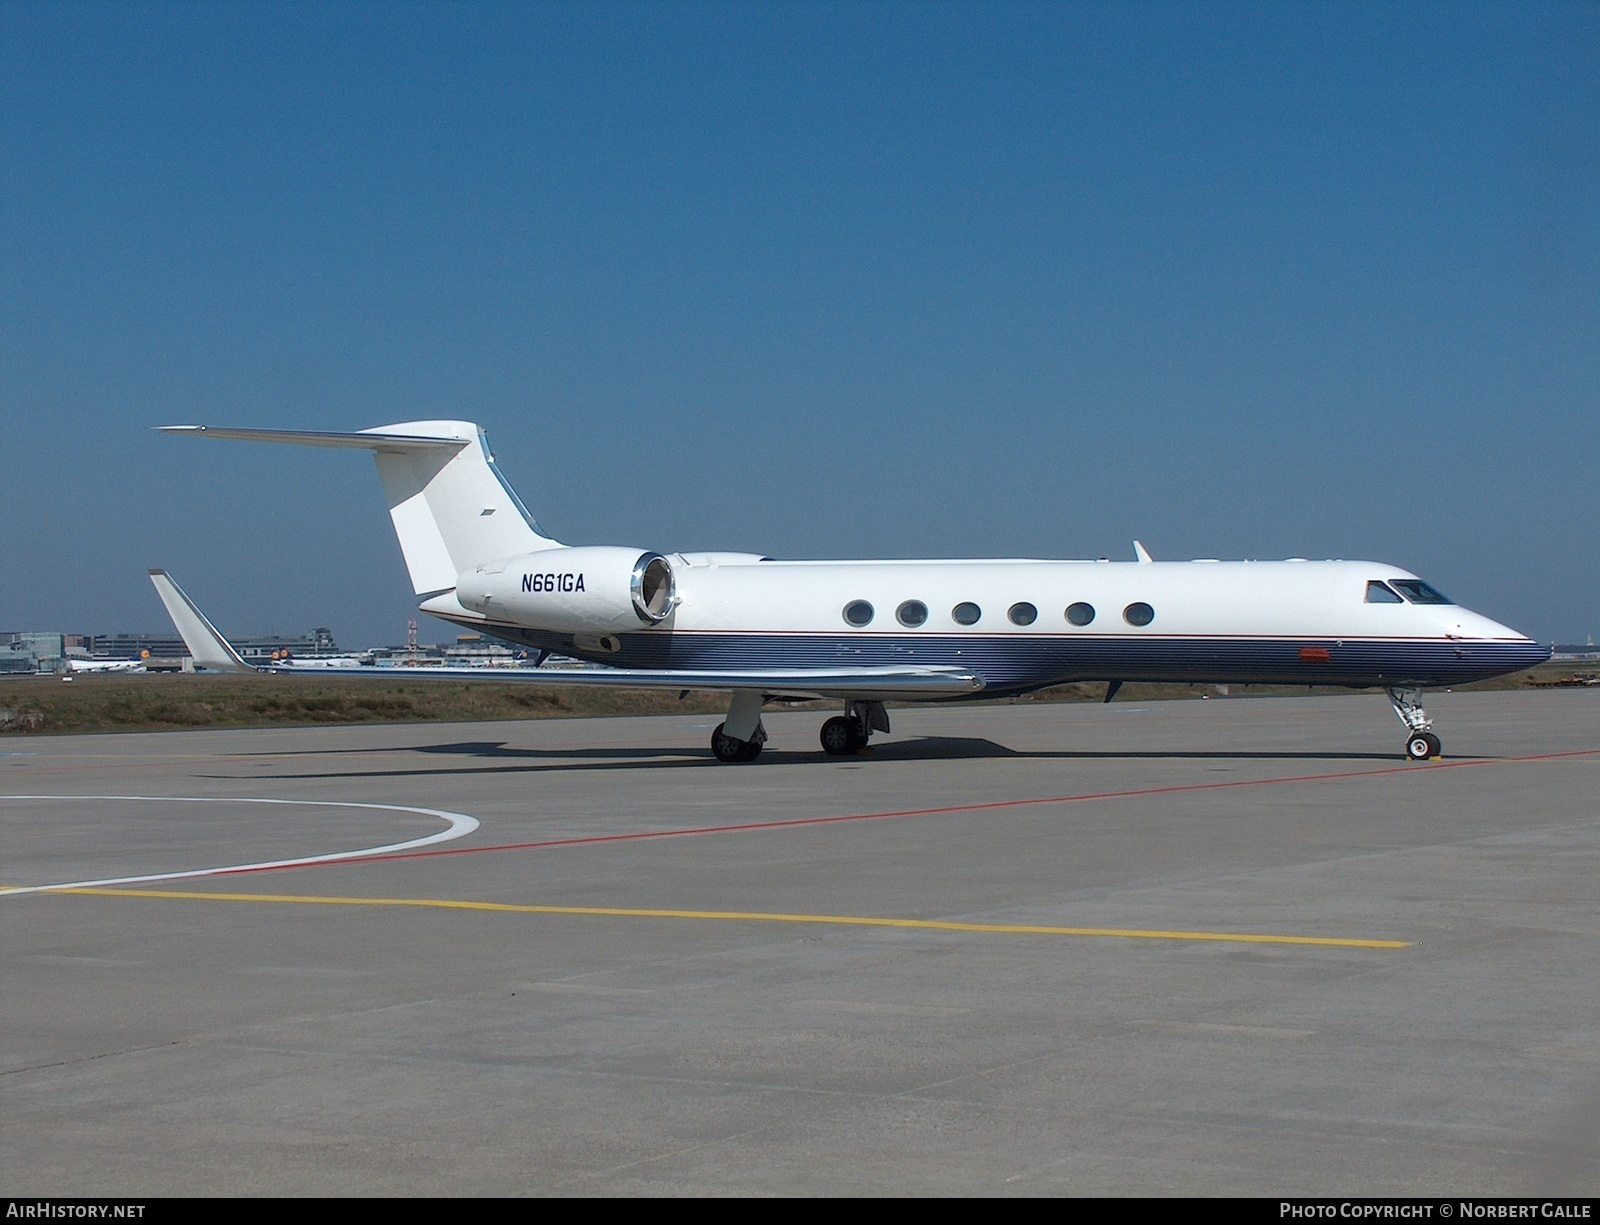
pixel 752 750
pixel 839 737
pixel 726 748
pixel 1423 746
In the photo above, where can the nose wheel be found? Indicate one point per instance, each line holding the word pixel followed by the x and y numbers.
pixel 1424 746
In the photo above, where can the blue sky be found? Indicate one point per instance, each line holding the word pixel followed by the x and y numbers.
pixel 813 280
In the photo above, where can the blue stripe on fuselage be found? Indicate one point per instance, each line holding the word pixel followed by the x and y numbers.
pixel 1015 662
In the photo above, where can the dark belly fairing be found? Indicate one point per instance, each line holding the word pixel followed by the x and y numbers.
pixel 1015 662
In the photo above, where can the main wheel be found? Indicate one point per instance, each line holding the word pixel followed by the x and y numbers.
pixel 1422 746
pixel 727 748
pixel 840 737
pixel 752 750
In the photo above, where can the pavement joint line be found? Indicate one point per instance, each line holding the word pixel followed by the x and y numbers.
pixel 744 916
pixel 951 809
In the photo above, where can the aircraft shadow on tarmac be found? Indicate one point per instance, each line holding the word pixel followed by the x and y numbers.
pixel 922 748
pixel 918 748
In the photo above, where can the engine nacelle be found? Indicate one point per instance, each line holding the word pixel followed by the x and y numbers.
pixel 586 591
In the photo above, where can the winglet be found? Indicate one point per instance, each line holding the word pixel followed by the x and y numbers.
pixel 1142 553
pixel 209 648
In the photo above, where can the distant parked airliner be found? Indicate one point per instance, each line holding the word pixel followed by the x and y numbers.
pixel 867 632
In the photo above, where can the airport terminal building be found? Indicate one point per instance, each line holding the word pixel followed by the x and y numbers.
pixel 51 653
pixel 24 653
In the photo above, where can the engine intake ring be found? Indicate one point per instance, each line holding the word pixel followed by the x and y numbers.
pixel 654 590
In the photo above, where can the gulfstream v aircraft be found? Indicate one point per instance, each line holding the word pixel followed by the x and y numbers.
pixel 867 632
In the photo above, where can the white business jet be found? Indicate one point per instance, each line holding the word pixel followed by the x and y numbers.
pixel 868 632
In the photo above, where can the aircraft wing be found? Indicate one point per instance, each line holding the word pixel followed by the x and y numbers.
pixel 881 684
pixel 211 650
pixel 365 440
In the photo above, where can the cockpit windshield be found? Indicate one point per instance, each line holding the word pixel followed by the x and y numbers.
pixel 1418 592
pixel 1379 593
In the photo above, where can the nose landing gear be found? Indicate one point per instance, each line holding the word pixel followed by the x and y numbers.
pixel 1421 744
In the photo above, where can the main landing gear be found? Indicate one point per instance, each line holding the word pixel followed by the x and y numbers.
pixel 727 748
pixel 1421 743
pixel 741 736
pixel 847 734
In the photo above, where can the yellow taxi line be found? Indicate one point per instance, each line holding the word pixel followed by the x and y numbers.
pixel 743 916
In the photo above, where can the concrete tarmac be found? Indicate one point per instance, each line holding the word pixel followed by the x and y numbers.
pixel 764 1028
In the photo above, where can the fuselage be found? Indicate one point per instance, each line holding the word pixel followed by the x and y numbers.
pixel 1022 624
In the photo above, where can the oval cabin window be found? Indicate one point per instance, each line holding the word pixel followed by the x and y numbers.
pixel 966 614
pixel 858 613
pixel 1023 614
pixel 912 613
pixel 1080 613
pixel 1138 614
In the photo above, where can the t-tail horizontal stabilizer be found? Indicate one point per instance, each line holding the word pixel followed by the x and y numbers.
pixel 209 648
pixel 451 508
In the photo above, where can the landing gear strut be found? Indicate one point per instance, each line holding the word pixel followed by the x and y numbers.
pixel 1421 744
pixel 847 734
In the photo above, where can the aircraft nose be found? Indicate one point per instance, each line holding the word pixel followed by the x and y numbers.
pixel 1464 623
pixel 1471 625
pixel 1498 647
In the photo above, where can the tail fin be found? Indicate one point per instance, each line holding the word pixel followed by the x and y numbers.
pixel 209 648
pixel 450 506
